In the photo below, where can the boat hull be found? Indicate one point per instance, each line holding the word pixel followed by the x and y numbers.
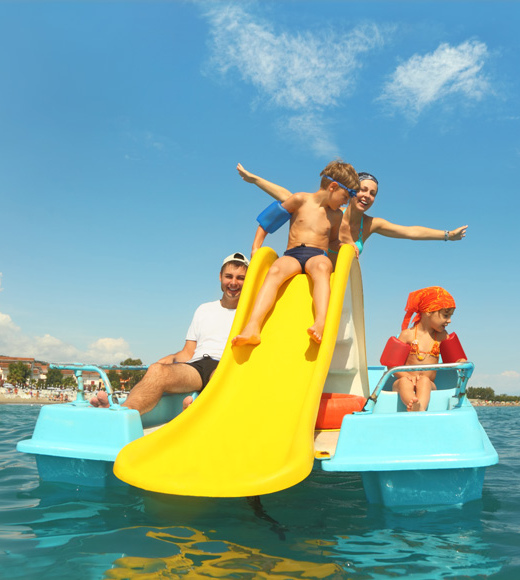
pixel 422 487
pixel 435 457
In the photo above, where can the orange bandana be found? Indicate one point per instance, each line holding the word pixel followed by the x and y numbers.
pixel 426 300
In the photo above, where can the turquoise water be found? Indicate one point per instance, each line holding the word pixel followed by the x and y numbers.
pixel 321 528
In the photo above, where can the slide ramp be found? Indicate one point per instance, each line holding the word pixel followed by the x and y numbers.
pixel 250 432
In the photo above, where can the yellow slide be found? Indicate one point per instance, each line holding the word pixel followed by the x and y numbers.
pixel 250 432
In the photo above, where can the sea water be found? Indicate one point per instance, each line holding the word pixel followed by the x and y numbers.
pixel 321 528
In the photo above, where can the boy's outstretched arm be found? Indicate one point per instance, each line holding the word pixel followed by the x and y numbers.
pixel 259 240
pixel 277 191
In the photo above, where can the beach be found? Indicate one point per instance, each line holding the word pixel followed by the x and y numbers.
pixel 17 400
pixel 50 398
pixel 34 397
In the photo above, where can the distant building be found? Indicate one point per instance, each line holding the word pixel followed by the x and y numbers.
pixel 39 370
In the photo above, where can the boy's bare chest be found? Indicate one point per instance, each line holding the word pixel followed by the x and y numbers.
pixel 313 217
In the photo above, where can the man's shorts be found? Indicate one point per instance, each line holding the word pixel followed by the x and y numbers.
pixel 205 367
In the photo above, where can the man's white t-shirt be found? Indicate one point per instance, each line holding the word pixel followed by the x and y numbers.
pixel 210 328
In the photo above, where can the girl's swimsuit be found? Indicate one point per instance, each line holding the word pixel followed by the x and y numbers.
pixel 434 351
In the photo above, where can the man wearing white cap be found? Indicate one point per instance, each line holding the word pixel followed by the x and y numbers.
pixel 191 368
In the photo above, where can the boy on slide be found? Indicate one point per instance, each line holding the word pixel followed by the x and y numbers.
pixel 433 308
pixel 315 221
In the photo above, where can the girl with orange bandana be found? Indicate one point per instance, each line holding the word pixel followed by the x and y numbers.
pixel 432 309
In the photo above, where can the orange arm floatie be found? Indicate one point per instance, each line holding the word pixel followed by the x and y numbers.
pixel 395 353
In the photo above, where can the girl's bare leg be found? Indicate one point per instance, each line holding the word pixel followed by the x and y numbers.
pixel 405 386
pixel 423 390
pixel 414 405
pixel 282 269
pixel 319 268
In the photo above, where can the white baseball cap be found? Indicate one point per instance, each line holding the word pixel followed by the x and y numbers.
pixel 236 257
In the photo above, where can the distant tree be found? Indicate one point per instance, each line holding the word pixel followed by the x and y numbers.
pixel 131 362
pixel 69 381
pixel 54 378
pixel 133 376
pixel 18 373
pixel 113 377
pixel 507 398
pixel 484 393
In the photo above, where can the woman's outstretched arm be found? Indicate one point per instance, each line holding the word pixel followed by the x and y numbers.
pixel 390 230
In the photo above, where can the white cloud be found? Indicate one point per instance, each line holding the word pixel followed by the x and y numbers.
pixel 449 70
pixel 312 129
pixel 14 342
pixel 511 374
pixel 108 351
pixel 7 324
pixel 302 72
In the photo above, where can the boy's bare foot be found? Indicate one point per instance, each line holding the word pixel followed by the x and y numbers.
pixel 315 333
pixel 414 405
pixel 100 399
pixel 187 402
pixel 242 339
pixel 250 335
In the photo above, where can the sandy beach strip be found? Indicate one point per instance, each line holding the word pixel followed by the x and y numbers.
pixel 11 399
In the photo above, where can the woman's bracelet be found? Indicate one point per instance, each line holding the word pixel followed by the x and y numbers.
pixel 446 235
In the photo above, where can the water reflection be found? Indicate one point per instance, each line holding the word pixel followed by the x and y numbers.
pixel 199 557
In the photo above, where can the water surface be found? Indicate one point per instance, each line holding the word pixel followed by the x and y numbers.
pixel 321 528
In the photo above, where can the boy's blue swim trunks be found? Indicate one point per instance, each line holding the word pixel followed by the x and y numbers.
pixel 303 253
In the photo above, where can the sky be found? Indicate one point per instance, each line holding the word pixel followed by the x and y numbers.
pixel 122 122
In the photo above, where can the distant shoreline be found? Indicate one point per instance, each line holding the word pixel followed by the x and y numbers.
pixel 24 400
pixel 12 399
pixel 479 403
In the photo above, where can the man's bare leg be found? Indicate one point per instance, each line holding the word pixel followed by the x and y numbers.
pixel 187 401
pixel 159 379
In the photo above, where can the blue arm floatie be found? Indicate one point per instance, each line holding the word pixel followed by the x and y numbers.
pixel 273 217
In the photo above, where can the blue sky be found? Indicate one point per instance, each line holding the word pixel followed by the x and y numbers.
pixel 121 124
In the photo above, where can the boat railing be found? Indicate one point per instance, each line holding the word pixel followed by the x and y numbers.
pixel 79 369
pixel 464 371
